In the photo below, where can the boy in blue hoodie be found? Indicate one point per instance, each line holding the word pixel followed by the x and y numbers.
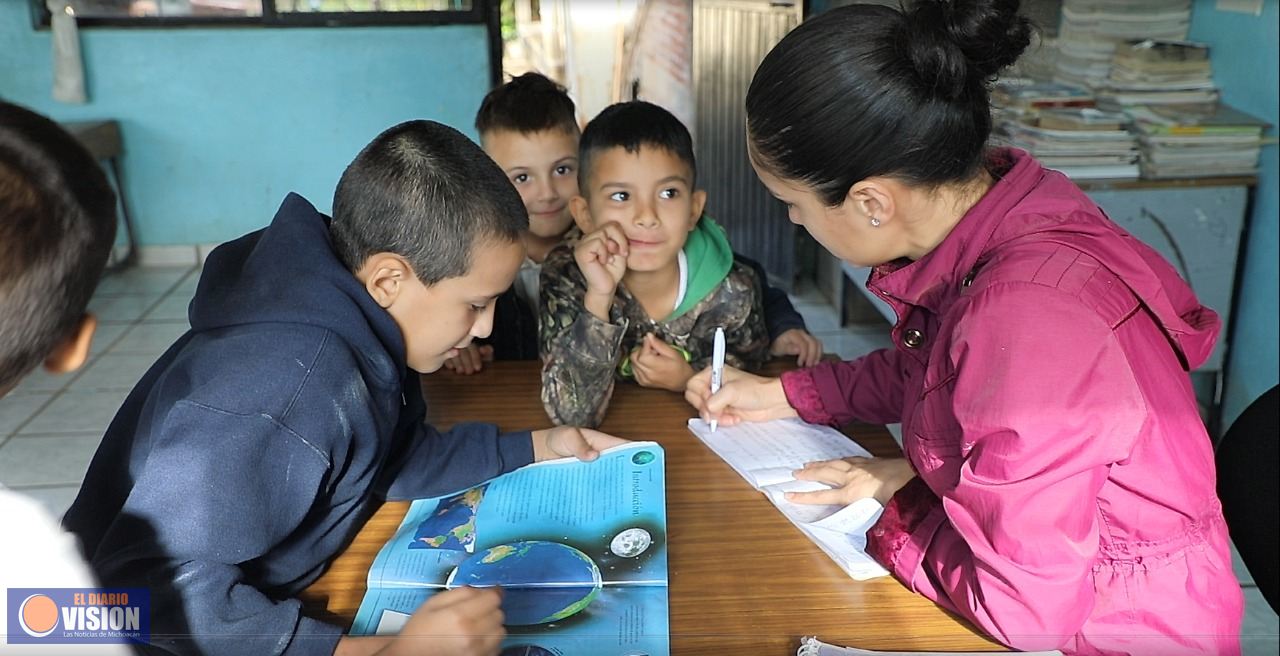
pixel 251 453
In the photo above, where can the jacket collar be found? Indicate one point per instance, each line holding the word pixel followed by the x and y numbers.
pixel 1029 201
pixel 934 280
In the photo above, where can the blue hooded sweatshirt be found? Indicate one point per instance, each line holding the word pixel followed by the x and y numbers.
pixel 256 447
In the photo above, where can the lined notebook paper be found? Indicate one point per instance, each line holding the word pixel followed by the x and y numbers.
pixel 811 646
pixel 765 454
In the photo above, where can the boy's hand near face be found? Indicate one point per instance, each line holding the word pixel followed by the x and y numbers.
pixel 602 257
pixel 657 364
pixel 470 359
pixel 562 441
pixel 798 342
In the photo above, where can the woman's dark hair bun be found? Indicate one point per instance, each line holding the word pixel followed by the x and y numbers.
pixel 954 43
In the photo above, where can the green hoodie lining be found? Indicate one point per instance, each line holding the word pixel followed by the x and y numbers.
pixel 709 259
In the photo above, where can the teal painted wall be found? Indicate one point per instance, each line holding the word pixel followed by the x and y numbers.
pixel 219 124
pixel 1245 51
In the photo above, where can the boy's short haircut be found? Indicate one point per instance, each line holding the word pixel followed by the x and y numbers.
pixel 631 125
pixel 529 103
pixel 57 227
pixel 424 191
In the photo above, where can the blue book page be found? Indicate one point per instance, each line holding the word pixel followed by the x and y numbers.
pixel 622 621
pixel 580 550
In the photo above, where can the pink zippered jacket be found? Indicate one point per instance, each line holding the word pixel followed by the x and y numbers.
pixel 1065 496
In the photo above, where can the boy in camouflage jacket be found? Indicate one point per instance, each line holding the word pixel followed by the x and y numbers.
pixel 641 293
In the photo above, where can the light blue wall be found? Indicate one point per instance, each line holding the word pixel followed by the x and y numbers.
pixel 1245 51
pixel 219 124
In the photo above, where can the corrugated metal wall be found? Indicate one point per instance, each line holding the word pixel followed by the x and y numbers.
pixel 729 41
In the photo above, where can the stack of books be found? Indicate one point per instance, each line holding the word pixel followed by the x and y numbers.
pixel 1091 30
pixel 1156 72
pixel 1059 125
pixel 1188 142
pixel 1014 98
pixel 1084 143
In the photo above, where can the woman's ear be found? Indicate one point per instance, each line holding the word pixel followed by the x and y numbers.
pixel 581 213
pixel 873 200
pixel 383 275
pixel 69 354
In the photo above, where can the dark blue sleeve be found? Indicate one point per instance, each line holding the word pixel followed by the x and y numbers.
pixel 779 314
pixel 427 462
pixel 217 492
pixel 436 463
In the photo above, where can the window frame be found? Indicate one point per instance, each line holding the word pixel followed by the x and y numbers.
pixel 482 12
pixel 270 18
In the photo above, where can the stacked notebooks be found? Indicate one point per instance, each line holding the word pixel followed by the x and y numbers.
pixel 1091 31
pixel 1190 141
pixel 1059 125
pixel 1154 72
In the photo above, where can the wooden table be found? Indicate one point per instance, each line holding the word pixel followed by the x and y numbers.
pixel 743 580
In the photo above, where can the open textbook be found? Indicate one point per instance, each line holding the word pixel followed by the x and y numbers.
pixel 579 548
pixel 765 454
pixel 811 646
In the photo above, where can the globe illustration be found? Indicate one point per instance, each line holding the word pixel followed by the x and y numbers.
pixel 643 458
pixel 452 525
pixel 541 581
pixel 526 650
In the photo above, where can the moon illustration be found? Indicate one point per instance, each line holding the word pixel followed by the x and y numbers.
pixel 630 543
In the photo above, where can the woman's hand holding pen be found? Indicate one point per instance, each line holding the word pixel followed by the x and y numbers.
pixel 602 257
pixel 742 397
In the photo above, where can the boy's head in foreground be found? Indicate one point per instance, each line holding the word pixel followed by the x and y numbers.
pixel 431 227
pixel 529 127
pixel 57 227
pixel 638 169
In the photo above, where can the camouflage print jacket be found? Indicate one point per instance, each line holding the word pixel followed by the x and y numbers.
pixel 581 354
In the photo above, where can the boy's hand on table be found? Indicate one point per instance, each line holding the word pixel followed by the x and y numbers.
pixel 562 441
pixel 800 343
pixel 602 257
pixel 853 479
pixel 658 364
pixel 742 397
pixel 459 622
pixel 470 359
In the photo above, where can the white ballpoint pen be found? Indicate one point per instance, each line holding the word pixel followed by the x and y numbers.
pixel 717 366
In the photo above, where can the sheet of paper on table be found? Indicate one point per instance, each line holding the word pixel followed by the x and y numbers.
pixel 766 453
pixel 812 646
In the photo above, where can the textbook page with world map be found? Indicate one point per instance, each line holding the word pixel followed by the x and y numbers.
pixel 579 548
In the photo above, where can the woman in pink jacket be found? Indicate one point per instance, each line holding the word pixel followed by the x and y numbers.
pixel 1058 484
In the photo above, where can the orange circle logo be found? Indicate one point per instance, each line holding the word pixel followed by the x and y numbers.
pixel 38 615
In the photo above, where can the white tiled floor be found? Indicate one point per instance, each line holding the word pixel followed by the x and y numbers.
pixel 50 425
